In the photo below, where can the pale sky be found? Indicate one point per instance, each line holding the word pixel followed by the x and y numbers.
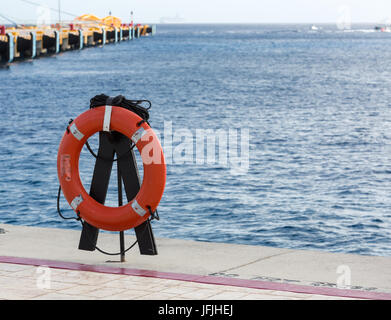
pixel 209 11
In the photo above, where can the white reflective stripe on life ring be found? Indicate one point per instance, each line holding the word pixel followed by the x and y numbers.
pixel 76 133
pixel 76 202
pixel 138 209
pixel 138 135
pixel 107 118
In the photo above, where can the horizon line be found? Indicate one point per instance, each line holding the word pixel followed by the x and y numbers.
pixel 223 22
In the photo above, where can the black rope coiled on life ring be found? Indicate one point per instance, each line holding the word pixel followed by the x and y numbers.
pixel 120 101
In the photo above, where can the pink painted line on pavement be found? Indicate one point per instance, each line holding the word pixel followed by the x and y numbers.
pixel 225 281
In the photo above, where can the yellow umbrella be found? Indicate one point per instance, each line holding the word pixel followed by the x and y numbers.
pixel 88 17
pixel 111 20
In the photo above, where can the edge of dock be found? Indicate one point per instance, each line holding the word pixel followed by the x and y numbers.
pixel 303 271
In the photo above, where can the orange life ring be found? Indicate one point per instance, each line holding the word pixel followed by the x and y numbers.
pixel 106 118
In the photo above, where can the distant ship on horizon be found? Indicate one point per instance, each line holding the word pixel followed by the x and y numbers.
pixel 176 19
pixel 384 26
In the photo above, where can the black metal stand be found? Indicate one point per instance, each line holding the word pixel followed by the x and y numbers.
pixel 109 145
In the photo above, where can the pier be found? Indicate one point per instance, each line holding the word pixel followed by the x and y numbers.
pixel 19 43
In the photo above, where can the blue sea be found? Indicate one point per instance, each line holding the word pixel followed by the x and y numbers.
pixel 317 105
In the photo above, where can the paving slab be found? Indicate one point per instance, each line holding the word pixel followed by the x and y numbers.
pixel 61 286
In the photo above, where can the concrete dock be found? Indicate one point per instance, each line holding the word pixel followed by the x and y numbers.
pixel 182 270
